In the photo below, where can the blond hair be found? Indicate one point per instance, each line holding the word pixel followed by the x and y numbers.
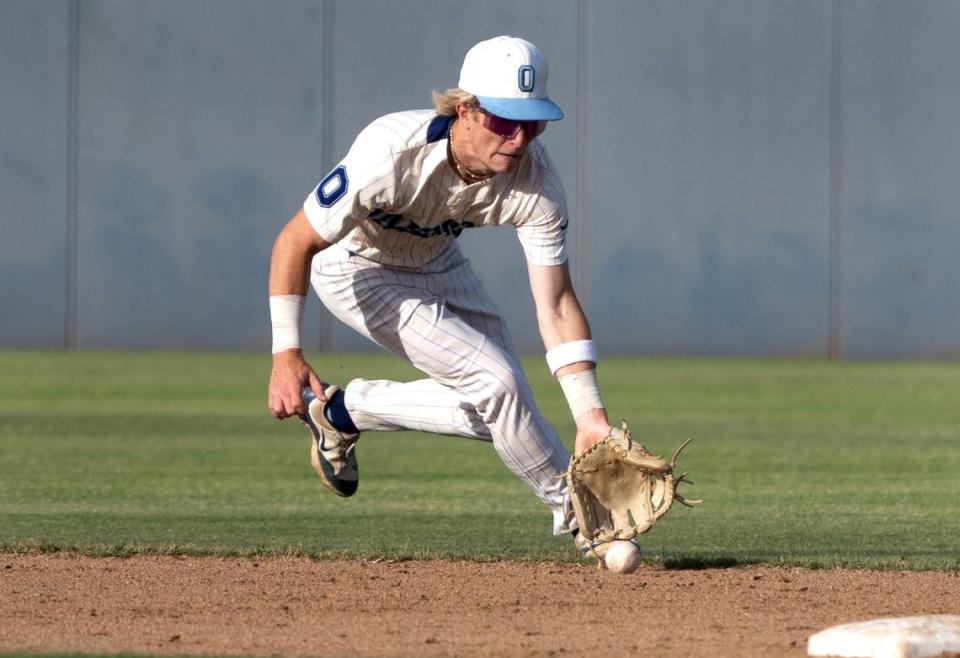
pixel 446 102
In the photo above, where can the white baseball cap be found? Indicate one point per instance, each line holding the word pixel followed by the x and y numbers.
pixel 509 77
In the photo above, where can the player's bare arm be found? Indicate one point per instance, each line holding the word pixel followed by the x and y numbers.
pixel 562 321
pixel 293 251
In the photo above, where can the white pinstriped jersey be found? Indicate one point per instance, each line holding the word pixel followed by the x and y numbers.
pixel 395 200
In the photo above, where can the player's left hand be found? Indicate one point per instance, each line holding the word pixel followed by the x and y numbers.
pixel 618 489
pixel 592 427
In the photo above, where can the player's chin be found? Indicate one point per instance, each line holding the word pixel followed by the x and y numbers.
pixel 503 162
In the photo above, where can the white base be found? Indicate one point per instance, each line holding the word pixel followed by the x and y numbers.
pixel 899 637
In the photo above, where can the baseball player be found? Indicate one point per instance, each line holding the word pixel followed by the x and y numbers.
pixel 377 239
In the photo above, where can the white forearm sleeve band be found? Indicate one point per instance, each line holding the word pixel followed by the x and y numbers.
pixel 581 391
pixel 286 313
pixel 573 352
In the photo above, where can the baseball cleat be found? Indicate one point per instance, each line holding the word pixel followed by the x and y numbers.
pixel 587 548
pixel 595 549
pixel 332 452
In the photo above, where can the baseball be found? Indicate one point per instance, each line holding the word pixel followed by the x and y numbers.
pixel 623 557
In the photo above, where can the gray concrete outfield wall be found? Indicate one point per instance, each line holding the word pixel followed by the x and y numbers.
pixel 746 177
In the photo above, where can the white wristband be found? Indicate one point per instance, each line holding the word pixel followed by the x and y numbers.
pixel 581 391
pixel 286 313
pixel 573 352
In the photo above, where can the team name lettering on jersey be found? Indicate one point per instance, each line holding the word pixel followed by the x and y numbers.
pixel 396 222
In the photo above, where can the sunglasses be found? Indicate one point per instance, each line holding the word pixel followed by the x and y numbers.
pixel 508 128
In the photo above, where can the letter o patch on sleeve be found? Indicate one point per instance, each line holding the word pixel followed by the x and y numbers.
pixel 332 187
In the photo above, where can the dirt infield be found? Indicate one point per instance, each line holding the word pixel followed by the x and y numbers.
pixel 297 607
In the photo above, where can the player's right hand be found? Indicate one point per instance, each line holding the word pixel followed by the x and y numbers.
pixel 290 374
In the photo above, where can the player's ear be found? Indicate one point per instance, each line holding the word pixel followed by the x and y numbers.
pixel 464 110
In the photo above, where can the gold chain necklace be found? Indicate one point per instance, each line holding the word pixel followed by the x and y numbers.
pixel 468 176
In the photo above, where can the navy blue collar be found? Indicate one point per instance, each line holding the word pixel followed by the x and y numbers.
pixel 439 128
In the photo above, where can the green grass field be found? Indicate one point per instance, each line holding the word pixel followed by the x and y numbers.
pixel 799 462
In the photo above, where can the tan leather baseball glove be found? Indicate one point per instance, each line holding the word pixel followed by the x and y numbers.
pixel 618 489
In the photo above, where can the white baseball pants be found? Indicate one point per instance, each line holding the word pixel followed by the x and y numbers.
pixel 440 319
